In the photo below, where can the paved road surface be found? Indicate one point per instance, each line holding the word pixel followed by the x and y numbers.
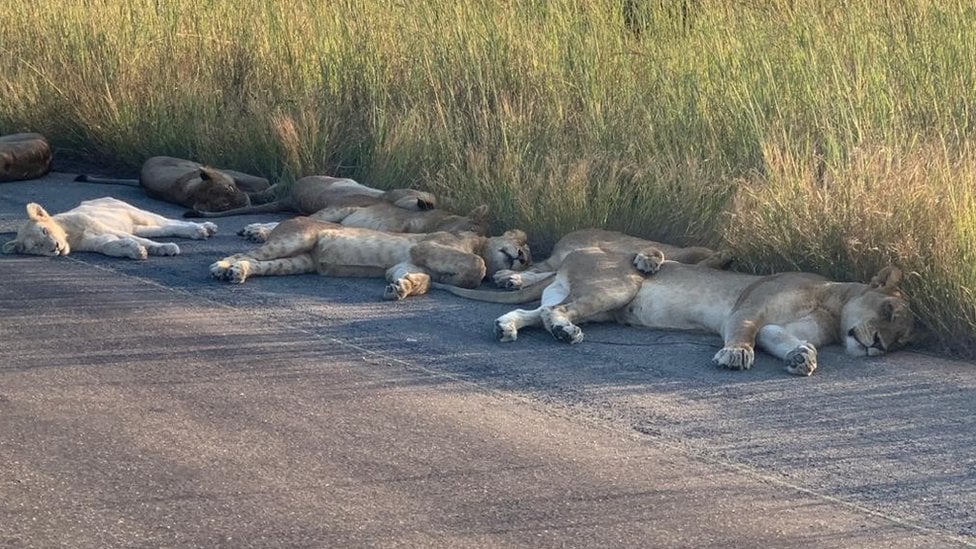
pixel 144 405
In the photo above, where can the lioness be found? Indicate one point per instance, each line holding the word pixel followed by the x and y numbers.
pixel 610 241
pixel 193 185
pixel 409 261
pixel 24 156
pixel 106 226
pixel 315 192
pixel 788 314
pixel 384 216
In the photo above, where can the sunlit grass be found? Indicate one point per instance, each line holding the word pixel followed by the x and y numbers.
pixel 828 136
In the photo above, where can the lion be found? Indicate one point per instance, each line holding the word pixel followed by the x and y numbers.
pixel 315 192
pixel 105 225
pixel 384 216
pixel 193 185
pixel 24 156
pixel 788 315
pixel 611 241
pixel 410 262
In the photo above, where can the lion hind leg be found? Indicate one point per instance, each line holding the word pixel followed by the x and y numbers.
pixel 448 265
pixel 114 246
pixel 508 325
pixel 173 227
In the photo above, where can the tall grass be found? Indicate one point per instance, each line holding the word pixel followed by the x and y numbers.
pixel 830 136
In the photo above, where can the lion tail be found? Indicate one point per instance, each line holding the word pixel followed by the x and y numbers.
pixel 84 178
pixel 525 295
pixel 270 207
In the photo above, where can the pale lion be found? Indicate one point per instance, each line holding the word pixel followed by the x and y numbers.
pixel 410 262
pixel 787 315
pixel 106 226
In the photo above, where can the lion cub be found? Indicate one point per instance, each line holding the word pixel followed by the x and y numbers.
pixel 410 262
pixel 107 226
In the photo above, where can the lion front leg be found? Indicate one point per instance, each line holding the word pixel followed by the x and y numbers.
pixel 257 232
pixel 113 246
pixel 739 352
pixel 799 355
pixel 237 269
pixel 405 280
pixel 516 280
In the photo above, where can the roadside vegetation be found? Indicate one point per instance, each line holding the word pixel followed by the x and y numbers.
pixel 828 136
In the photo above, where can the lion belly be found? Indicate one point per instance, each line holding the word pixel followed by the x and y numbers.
pixel 685 297
pixel 101 213
pixel 350 248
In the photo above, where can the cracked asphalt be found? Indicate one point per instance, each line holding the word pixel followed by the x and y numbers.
pixel 143 404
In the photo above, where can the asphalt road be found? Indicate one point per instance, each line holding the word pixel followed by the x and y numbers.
pixel 143 404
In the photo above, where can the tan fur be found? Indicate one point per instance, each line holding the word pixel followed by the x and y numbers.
pixel 198 187
pixel 24 156
pixel 316 192
pixel 105 225
pixel 788 315
pixel 409 261
pixel 610 241
pixel 384 216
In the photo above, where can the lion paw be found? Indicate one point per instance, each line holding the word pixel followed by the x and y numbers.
pixel 396 290
pixel 505 331
pixel 229 272
pixel 802 361
pixel 508 280
pixel 567 333
pixel 166 249
pixel 735 357
pixel 133 250
pixel 201 231
pixel 255 232
pixel 648 263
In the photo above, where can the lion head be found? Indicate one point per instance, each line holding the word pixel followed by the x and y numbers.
pixel 475 222
pixel 878 320
pixel 509 251
pixel 41 235
pixel 217 192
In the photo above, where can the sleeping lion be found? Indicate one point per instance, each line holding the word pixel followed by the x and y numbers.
pixel 410 262
pixel 105 225
pixel 788 315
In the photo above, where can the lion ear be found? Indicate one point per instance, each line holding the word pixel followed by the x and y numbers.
pixel 480 213
pixel 887 279
pixel 36 212
pixel 12 247
pixel 517 235
pixel 205 174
